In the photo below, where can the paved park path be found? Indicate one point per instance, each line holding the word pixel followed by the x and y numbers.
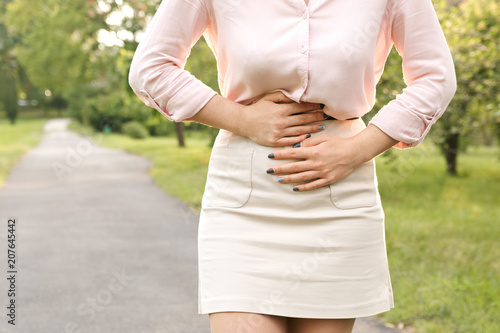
pixel 99 247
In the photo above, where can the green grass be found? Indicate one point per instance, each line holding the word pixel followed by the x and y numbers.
pixel 443 240
pixel 16 140
pixel 443 232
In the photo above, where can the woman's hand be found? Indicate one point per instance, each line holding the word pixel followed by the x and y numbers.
pixel 326 158
pixel 322 160
pixel 272 120
pixel 275 120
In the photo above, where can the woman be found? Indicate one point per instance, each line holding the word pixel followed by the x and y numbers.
pixel 291 233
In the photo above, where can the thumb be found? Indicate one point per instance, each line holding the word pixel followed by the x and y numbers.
pixel 277 97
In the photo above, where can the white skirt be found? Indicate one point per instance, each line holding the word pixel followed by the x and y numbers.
pixel 264 248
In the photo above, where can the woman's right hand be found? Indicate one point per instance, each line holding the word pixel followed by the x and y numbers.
pixel 275 120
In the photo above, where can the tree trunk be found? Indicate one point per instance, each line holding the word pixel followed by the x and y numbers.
pixel 179 129
pixel 451 152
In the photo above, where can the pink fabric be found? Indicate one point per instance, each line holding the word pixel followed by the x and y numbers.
pixel 329 52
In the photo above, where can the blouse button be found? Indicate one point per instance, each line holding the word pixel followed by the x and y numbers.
pixel 303 50
pixel 304 15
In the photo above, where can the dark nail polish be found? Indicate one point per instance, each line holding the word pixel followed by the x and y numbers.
pixel 280 180
pixel 325 116
pixel 308 136
pixel 322 106
pixel 321 127
pixel 297 145
pixel 296 189
pixel 270 156
pixel 269 171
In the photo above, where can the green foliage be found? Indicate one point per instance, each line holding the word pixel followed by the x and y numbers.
pixel 8 92
pixel 203 65
pixel 57 43
pixel 472 30
pixel 391 83
pixel 114 110
pixel 8 86
pixel 135 130
pixel 158 125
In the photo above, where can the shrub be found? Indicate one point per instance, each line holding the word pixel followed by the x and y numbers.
pixel 158 125
pixel 135 130
pixel 114 110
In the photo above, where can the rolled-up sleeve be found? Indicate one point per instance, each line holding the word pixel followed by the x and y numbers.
pixel 428 73
pixel 157 72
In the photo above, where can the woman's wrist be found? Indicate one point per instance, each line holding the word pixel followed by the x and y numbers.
pixel 369 143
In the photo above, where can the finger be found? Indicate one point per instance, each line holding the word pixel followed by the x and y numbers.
pixel 290 168
pixel 304 118
pixel 277 97
pixel 310 185
pixel 316 140
pixel 299 131
pixel 290 140
pixel 294 108
pixel 290 153
pixel 298 177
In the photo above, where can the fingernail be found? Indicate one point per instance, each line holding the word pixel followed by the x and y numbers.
pixel 325 116
pixel 280 180
pixel 322 106
pixel 270 156
pixel 269 171
pixel 321 127
pixel 296 189
pixel 297 145
pixel 308 136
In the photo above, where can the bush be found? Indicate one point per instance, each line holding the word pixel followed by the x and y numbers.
pixel 158 125
pixel 114 110
pixel 135 130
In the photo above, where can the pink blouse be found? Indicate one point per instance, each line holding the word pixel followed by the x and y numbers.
pixel 329 51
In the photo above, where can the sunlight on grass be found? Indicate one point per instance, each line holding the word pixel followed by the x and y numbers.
pixel 16 140
pixel 442 236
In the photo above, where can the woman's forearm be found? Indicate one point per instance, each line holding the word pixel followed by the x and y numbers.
pixel 222 113
pixel 273 120
pixel 370 143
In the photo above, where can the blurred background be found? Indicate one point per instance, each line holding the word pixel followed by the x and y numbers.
pixel 70 59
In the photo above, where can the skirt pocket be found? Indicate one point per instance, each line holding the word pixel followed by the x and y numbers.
pixel 229 178
pixel 359 189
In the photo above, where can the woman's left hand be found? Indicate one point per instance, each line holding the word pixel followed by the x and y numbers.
pixel 322 160
pixel 325 158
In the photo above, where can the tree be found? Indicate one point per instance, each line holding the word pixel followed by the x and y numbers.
pixel 8 86
pixel 473 31
pixel 471 28
pixel 59 49
pixel 8 91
